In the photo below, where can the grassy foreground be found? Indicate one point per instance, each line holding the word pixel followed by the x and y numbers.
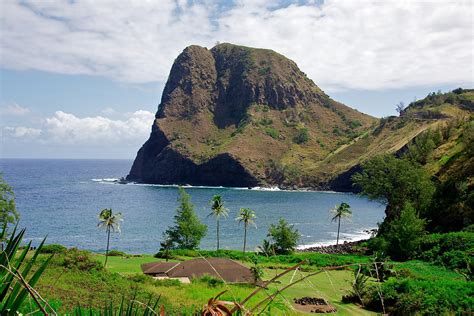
pixel 86 283
pixel 68 287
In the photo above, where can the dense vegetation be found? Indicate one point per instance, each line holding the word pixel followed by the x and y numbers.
pixel 428 188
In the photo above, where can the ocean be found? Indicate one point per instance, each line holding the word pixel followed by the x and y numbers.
pixel 61 198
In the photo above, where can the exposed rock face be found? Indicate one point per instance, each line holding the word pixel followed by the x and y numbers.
pixel 231 116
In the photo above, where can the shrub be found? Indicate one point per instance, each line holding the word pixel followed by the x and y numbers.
pixel 210 280
pixel 53 248
pixel 377 244
pixel 302 136
pixel 273 133
pixel 139 278
pixel 420 297
pixel 79 259
pixel 265 121
pixel 451 250
pixel 117 253
pixel 164 254
pixel 355 123
pixel 336 131
pixel 168 282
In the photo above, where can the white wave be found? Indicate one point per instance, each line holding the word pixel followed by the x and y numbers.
pixel 265 189
pixel 342 238
pixel 275 188
pixel 187 186
pixel 106 180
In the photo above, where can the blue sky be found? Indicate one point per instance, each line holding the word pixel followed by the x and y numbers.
pixel 83 80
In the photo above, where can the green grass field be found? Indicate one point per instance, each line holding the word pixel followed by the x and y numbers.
pixel 330 286
pixel 67 287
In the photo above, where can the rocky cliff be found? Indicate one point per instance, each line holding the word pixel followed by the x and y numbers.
pixel 239 116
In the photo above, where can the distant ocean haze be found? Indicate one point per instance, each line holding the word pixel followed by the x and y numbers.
pixel 62 198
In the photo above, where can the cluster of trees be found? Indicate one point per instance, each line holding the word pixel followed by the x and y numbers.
pixel 416 201
pixel 188 231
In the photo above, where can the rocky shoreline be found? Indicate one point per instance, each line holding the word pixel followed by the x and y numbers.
pixel 346 248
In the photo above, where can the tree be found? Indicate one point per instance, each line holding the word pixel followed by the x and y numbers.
pixel 422 146
pixel 217 210
pixel 393 182
pixel 400 107
pixel 468 138
pixel 339 212
pixel 283 236
pixel 8 212
pixel 404 233
pixel 246 216
pixel 110 222
pixel 188 229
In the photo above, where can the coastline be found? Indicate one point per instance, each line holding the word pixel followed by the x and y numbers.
pixel 188 186
pixel 345 246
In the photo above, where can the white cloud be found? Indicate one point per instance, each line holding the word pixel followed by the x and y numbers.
pixel 14 110
pixel 66 128
pixel 21 132
pixel 341 44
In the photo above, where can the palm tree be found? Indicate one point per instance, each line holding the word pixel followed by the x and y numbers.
pixel 246 216
pixel 339 212
pixel 109 222
pixel 217 210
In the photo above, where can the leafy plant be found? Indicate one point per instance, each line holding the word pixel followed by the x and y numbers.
pixel 267 249
pixel 256 269
pixel 17 280
pixel 8 212
pixel 129 307
pixel 359 286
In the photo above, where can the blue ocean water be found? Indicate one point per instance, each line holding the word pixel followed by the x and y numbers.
pixel 61 199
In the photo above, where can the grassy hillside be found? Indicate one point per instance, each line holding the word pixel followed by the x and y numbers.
pixel 441 113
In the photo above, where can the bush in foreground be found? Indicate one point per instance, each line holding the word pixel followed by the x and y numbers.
pixel 452 250
pixel 421 297
pixel 53 249
pixel 78 259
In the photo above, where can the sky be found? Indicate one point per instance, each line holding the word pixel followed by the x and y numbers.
pixel 83 79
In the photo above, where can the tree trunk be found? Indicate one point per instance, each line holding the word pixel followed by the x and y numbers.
pixel 245 237
pixel 338 228
pixel 107 249
pixel 217 235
